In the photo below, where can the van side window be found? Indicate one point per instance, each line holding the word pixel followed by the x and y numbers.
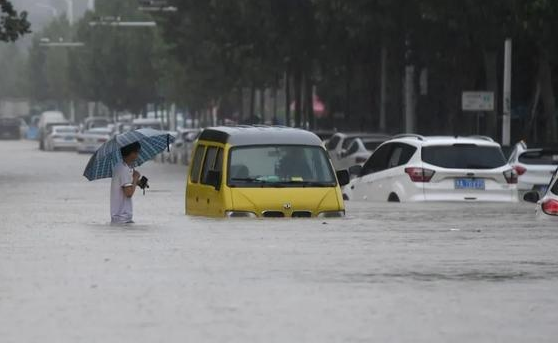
pixel 219 161
pixel 196 164
pixel 378 161
pixel 208 163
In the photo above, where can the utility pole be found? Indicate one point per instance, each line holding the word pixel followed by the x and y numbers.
pixel 506 118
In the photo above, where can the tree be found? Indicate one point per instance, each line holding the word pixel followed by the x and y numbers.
pixel 12 24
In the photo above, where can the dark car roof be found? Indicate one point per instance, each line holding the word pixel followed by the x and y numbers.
pixel 259 135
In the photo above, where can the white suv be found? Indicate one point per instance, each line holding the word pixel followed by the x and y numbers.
pixel 412 168
pixel 534 167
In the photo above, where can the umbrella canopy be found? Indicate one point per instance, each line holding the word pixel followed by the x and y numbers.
pixel 153 142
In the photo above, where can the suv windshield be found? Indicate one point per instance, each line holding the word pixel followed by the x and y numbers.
pixel 464 156
pixel 542 157
pixel 280 166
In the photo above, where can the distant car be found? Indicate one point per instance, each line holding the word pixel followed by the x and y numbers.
pixel 147 123
pixel 61 137
pixel 413 168
pixel 547 204
pixel 358 152
pixel 10 128
pixel 324 135
pixel 338 144
pixel 91 140
pixel 182 147
pixel 95 122
pixel 534 167
pixel 47 120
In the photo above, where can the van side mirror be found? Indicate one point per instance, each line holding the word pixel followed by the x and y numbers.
pixel 214 179
pixel 355 170
pixel 343 177
pixel 532 197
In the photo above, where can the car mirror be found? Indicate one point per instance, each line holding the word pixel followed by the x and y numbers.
pixel 532 197
pixel 343 177
pixel 355 170
pixel 214 179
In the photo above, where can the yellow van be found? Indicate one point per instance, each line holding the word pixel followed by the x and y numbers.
pixel 263 172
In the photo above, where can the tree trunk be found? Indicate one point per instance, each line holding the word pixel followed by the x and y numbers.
pixel 262 106
pixel 274 105
pixel 310 103
pixel 491 75
pixel 547 96
pixel 287 99
pixel 298 97
pixel 383 90
pixel 252 103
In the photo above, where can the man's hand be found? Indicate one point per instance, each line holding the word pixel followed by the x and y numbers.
pixel 136 176
pixel 129 191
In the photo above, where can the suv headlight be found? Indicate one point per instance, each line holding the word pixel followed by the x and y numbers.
pixel 240 214
pixel 332 214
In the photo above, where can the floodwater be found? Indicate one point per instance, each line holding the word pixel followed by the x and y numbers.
pixel 386 273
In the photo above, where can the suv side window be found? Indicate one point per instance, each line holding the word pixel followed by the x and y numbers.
pixel 401 154
pixel 333 142
pixel 196 164
pixel 378 161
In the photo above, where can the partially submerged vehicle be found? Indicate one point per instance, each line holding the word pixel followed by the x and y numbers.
pixel 263 171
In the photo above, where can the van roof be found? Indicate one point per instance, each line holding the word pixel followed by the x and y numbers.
pixel 259 135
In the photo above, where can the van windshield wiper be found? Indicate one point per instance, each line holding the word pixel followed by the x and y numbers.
pixel 257 181
pixel 309 183
pixel 249 179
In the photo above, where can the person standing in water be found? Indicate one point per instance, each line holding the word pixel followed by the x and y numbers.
pixel 123 186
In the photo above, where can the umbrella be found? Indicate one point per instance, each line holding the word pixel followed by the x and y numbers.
pixel 108 155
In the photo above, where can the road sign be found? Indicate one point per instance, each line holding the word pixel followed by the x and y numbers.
pixel 478 101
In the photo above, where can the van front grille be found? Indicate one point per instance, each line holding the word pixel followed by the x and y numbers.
pixel 302 214
pixel 273 214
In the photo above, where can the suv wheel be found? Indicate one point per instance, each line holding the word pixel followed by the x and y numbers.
pixel 393 198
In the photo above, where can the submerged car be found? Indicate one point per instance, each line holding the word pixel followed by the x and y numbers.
pixel 338 145
pixel 412 168
pixel 547 204
pixel 534 167
pixel 182 147
pixel 359 151
pixel 61 138
pixel 10 128
pixel 268 172
pixel 91 140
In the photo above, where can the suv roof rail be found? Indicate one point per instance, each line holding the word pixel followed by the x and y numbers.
pixel 484 138
pixel 409 135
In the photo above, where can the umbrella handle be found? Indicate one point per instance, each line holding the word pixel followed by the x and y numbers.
pixel 168 143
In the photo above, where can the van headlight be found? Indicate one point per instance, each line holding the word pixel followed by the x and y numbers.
pixel 240 214
pixel 332 214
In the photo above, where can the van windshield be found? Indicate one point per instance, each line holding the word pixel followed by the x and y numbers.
pixel 464 156
pixel 280 166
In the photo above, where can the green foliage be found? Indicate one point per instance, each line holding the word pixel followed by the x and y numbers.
pixel 12 24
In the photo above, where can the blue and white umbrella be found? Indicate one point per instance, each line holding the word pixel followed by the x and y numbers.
pixel 153 142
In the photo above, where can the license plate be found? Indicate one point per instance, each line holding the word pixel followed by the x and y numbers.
pixel 477 184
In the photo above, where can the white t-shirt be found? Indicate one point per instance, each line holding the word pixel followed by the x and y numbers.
pixel 120 205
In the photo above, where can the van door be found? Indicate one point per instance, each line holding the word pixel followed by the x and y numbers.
pixel 193 186
pixel 211 198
